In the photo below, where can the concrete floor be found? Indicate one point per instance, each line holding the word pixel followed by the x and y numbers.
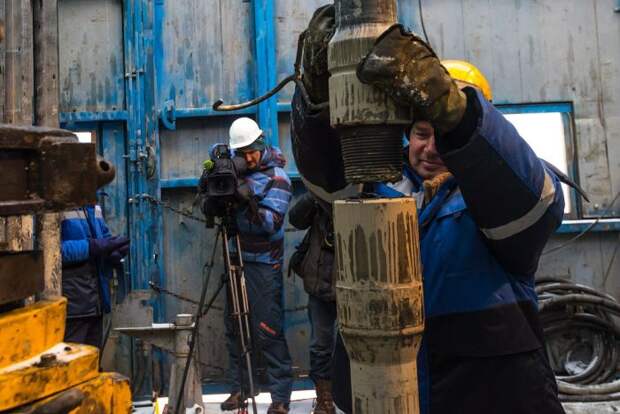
pixel 593 408
pixel 302 404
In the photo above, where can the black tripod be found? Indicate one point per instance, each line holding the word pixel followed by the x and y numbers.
pixel 239 304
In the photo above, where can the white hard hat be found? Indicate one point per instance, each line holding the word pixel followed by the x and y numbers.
pixel 243 132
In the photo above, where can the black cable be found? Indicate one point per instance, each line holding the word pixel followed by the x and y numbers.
pixel 422 22
pixel 587 229
pixel 567 311
pixel 199 312
pixel 295 77
pixel 219 104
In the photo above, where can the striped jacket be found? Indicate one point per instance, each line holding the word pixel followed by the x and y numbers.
pixel 85 282
pixel 261 230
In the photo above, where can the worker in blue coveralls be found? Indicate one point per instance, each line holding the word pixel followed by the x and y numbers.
pixel 487 208
pixel 266 191
pixel 89 255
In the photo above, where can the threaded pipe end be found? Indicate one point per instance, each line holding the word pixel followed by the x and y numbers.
pixel 372 153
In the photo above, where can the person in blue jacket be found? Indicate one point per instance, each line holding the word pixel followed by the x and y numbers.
pixel 487 206
pixel 89 254
pixel 265 191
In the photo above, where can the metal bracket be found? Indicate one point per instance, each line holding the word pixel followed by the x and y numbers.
pixel 175 338
pixel 168 116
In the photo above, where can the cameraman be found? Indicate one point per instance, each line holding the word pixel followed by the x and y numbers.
pixel 264 193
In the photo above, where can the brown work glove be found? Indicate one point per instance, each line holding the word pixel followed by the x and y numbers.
pixel 317 36
pixel 404 66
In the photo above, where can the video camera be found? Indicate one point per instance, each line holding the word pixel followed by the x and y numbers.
pixel 219 182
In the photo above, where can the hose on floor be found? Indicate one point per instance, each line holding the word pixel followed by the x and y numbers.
pixel 583 339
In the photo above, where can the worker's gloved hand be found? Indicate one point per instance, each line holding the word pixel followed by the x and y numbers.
pixel 244 194
pixel 101 248
pixel 117 255
pixel 317 36
pixel 404 66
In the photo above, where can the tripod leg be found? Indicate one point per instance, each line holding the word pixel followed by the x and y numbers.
pixel 245 305
pixel 240 306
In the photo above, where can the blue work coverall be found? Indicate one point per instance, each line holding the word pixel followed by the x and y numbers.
pixel 85 280
pixel 481 237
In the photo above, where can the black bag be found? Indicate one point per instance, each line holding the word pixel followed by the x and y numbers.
pixel 295 263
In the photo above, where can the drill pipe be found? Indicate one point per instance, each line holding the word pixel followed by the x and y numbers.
pixel 380 301
pixel 369 122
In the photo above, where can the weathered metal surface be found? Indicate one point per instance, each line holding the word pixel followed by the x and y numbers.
pixel 2 57
pixel 45 169
pixel 134 309
pixel 92 76
pixel 107 393
pixel 31 330
pixel 50 245
pixel 21 275
pixel 175 338
pixel 18 78
pixel 16 233
pixel 380 301
pixel 58 368
pixel 291 18
pixel 594 260
pixel 369 122
pixel 551 51
pixel 45 44
pixel 206 52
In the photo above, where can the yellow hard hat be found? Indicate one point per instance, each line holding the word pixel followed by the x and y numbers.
pixel 465 72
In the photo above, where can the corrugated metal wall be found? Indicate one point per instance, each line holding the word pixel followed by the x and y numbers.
pixel 532 52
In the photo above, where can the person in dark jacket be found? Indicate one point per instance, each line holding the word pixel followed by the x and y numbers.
pixel 89 254
pixel 266 192
pixel 316 268
pixel 487 208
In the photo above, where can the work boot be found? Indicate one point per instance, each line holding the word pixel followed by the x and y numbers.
pixel 324 400
pixel 278 408
pixel 233 402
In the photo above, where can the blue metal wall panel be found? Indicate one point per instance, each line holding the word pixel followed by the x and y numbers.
pixel 206 52
pixel 91 55
pixel 265 66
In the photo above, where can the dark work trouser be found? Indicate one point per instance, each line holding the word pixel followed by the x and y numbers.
pixel 509 384
pixel 322 315
pixel 264 287
pixel 85 330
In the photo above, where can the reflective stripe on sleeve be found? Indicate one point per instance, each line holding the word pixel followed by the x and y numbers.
pixel 528 219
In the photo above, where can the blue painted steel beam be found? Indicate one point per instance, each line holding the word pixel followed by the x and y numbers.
pixel 207 112
pixel 577 226
pixel 185 182
pixel 266 66
pixel 284 107
pixel 145 219
pixel 70 117
pixel 535 108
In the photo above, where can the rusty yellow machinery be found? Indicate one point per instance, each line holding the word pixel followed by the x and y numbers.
pixel 45 170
